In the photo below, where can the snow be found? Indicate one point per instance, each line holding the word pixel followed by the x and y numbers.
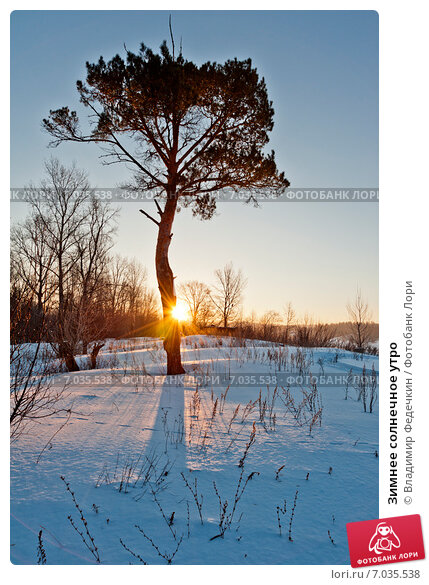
pixel 130 444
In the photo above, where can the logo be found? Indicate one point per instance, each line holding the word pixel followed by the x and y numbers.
pixel 387 540
pixel 383 539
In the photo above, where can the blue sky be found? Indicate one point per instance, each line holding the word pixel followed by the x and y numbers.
pixel 321 70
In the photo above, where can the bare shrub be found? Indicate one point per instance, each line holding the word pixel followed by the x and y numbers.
pixel 134 554
pixel 137 472
pixel 41 553
pixel 168 556
pixel 366 387
pixel 233 417
pixel 349 381
pixel 279 470
pixel 281 511
pixel 34 395
pixel 84 533
pixel 267 416
pixel 307 411
pixel 249 444
pixel 198 498
pixel 292 515
pixel 226 518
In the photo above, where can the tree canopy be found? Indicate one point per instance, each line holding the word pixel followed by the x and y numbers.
pixel 196 129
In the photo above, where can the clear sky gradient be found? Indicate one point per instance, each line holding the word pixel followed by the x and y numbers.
pixel 321 70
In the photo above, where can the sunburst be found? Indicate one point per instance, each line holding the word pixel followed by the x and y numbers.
pixel 180 312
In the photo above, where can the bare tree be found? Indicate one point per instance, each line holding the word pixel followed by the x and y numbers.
pixel 290 318
pixel 60 202
pixel 149 311
pixel 116 281
pixel 196 295
pixel 268 321
pixel 136 277
pixel 227 294
pixel 360 319
pixel 78 235
pixel 32 260
pixel 62 278
pixel 93 247
pixel 130 301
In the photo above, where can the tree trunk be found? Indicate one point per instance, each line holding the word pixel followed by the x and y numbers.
pixel 94 354
pixel 70 362
pixel 165 278
pixel 84 314
pixel 62 352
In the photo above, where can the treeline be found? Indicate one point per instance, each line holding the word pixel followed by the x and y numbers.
pixel 66 287
pixel 305 334
pixel 205 306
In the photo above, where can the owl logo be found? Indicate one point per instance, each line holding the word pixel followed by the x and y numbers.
pixel 384 539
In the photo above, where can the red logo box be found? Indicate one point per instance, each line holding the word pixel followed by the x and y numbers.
pixel 386 540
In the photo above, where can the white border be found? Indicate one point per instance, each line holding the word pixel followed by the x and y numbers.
pixel 404 128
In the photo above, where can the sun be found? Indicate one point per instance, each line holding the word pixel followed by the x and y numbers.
pixel 180 312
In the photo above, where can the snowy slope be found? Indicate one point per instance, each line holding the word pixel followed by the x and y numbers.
pixel 137 448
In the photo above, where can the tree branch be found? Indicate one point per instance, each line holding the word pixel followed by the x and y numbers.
pixel 149 217
pixel 158 207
